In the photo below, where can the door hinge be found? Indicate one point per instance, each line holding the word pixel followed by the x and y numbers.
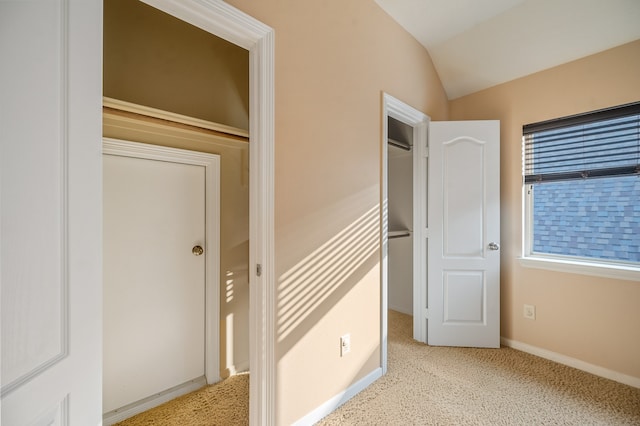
pixel 259 269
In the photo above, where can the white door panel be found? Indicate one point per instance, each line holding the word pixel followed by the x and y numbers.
pixel 51 211
pixel 463 293
pixel 462 193
pixel 464 273
pixel 154 287
pixel 161 299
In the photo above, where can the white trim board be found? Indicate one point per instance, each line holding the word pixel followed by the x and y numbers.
pixel 329 406
pixel 572 362
pixel 117 126
pixel 584 267
pixel 171 116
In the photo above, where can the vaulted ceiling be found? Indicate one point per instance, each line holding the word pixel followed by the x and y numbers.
pixel 476 44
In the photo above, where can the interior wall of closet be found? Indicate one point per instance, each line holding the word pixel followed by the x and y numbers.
pixel 400 220
pixel 154 60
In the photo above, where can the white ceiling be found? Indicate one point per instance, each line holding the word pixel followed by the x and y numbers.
pixel 476 44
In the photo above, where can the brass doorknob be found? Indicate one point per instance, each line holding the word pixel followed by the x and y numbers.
pixel 197 250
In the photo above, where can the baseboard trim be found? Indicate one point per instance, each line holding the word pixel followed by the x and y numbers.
pixel 329 406
pixel 572 362
pixel 232 370
pixel 138 407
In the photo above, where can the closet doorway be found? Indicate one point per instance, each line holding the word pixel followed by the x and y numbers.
pixel 161 135
pixel 256 40
pixel 404 216
pixel 455 241
pixel 400 202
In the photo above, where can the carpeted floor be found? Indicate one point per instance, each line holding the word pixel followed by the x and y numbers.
pixel 224 404
pixel 427 385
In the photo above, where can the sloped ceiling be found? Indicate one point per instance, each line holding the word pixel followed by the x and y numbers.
pixel 476 44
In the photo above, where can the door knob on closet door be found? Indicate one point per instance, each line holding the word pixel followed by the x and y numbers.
pixel 197 250
pixel 494 246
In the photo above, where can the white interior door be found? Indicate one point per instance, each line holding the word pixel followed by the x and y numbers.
pixel 51 180
pixel 155 223
pixel 51 211
pixel 464 219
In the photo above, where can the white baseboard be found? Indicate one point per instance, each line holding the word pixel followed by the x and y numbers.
pixel 572 362
pixel 138 407
pixel 330 405
pixel 232 370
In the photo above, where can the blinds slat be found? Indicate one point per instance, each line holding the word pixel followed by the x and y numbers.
pixel 582 174
pixel 545 144
pixel 603 143
pixel 619 154
pixel 583 131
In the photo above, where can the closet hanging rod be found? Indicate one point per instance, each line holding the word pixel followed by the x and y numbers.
pixel 399 144
pixel 398 234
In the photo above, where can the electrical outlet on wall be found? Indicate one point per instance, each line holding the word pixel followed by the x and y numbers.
pixel 530 312
pixel 345 344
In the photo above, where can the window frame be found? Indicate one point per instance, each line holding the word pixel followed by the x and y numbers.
pixel 565 263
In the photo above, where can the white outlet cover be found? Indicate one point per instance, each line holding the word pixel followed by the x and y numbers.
pixel 529 312
pixel 345 344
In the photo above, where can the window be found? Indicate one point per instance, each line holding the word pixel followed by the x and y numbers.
pixel 582 188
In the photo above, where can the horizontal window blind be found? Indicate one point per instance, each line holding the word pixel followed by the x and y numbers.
pixel 597 144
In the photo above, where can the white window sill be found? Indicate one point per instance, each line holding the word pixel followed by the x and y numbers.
pixel 619 271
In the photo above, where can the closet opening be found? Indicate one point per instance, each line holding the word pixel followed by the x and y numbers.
pixel 180 88
pixel 404 217
pixel 400 198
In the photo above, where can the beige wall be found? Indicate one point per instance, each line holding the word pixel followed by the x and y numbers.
pixel 596 320
pixel 333 59
pixel 156 60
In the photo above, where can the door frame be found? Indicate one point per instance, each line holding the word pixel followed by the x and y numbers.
pixel 211 165
pixel 392 107
pixel 229 23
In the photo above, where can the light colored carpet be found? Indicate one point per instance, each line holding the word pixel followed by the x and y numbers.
pixel 427 385
pixel 225 403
